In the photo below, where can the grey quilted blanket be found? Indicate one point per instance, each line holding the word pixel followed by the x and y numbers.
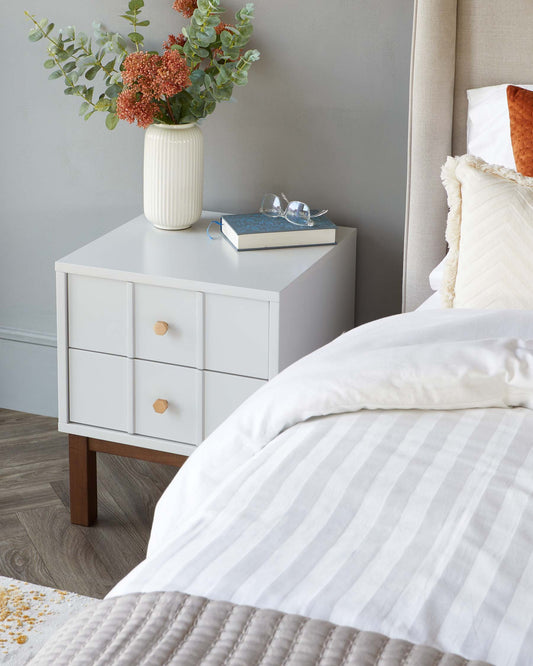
pixel 173 628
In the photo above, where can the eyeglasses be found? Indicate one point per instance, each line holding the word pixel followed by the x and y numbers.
pixel 295 212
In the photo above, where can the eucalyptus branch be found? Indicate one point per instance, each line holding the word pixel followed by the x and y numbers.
pixel 199 69
pixel 131 15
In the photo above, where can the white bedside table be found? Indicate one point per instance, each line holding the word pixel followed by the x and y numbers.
pixel 162 334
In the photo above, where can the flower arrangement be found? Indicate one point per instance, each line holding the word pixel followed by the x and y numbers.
pixel 197 69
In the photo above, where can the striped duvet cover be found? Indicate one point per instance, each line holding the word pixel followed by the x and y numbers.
pixel 384 482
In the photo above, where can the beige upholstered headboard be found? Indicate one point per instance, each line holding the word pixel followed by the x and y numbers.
pixel 457 44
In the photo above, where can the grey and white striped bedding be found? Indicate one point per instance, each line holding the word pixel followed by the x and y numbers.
pixel 414 523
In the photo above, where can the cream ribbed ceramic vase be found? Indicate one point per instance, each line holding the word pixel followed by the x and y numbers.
pixel 173 175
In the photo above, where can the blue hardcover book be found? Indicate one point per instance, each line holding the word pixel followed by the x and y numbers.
pixel 256 231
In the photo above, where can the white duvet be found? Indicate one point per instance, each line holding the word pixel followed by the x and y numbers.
pixel 383 482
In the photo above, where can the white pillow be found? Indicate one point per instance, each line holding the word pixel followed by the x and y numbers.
pixel 490 236
pixel 488 131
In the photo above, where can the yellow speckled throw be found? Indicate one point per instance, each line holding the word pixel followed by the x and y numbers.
pixel 29 615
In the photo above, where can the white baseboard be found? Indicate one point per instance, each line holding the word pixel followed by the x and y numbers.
pixel 32 337
pixel 28 371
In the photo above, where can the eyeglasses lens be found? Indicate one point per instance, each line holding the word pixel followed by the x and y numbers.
pixel 298 212
pixel 271 205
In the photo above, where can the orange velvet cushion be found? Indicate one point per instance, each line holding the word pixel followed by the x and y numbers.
pixel 520 103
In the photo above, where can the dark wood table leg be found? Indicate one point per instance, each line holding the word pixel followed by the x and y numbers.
pixel 82 464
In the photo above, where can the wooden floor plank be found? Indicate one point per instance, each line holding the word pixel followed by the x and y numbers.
pixel 23 475
pixel 132 486
pixel 18 556
pixel 27 496
pixel 35 449
pixel 37 541
pixel 70 558
pixel 115 539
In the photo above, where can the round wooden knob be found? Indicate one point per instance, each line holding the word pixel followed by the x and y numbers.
pixel 160 327
pixel 160 406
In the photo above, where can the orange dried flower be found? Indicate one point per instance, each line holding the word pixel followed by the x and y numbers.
pixel 140 70
pixel 174 40
pixel 135 108
pixel 185 7
pixel 148 78
pixel 172 75
pixel 222 26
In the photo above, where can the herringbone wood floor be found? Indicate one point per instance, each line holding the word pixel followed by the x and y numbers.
pixel 37 542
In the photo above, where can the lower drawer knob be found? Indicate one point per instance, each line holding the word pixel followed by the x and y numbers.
pixel 160 406
pixel 160 327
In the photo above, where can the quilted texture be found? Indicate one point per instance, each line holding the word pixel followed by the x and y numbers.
pixel 162 628
pixel 520 103
pixel 490 236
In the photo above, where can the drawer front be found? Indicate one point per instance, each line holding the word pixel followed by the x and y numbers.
pixel 97 314
pixel 236 335
pixel 177 393
pixel 97 389
pixel 223 394
pixel 165 322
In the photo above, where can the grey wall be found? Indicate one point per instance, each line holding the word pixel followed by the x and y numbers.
pixel 324 119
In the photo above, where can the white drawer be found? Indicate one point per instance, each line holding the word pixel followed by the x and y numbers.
pixel 181 388
pixel 223 394
pixel 236 335
pixel 175 312
pixel 97 314
pixel 97 389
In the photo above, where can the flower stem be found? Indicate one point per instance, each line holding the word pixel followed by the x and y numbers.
pixel 169 108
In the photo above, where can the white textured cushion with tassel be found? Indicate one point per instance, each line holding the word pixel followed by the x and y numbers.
pixel 490 235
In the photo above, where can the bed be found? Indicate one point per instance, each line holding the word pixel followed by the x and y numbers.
pixel 373 503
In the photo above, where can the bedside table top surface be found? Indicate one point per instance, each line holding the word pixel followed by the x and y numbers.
pixel 137 251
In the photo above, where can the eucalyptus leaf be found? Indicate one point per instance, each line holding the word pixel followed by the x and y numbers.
pixel 91 73
pixel 111 121
pixel 85 106
pixel 55 75
pixel 102 104
pixel 49 64
pixel 108 67
pixel 113 91
pixel 87 61
pixel 197 76
pixel 35 35
pixel 135 37
pixel 68 32
pixel 81 39
pixel 240 77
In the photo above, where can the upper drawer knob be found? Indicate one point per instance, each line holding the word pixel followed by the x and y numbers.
pixel 160 327
pixel 160 406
